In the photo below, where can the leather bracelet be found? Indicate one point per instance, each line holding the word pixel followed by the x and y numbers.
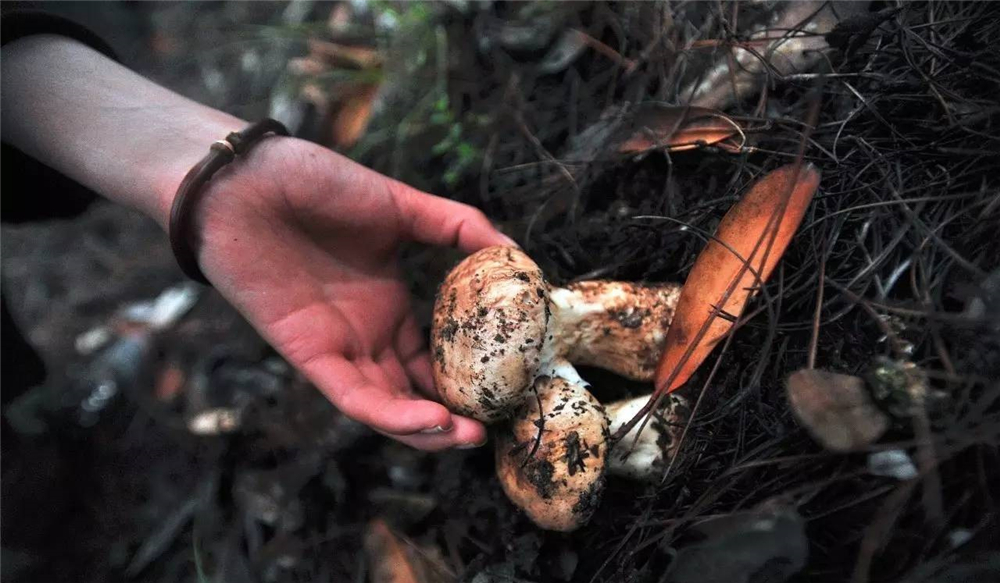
pixel 220 154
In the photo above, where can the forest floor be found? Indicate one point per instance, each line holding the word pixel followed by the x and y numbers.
pixel 506 107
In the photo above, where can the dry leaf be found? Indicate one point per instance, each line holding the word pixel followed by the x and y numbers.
pixel 750 240
pixel 316 95
pixel 307 66
pixel 387 559
pixel 792 42
pixel 835 409
pixel 677 128
pixel 394 559
pixel 344 55
pixel 169 382
pixel 340 17
pixel 767 543
pixel 756 232
pixel 351 119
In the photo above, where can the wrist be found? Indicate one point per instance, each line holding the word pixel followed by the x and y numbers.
pixel 186 220
pixel 185 145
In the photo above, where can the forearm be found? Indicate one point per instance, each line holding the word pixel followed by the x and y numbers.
pixel 103 125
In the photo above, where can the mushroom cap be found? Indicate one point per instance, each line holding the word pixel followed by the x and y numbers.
pixel 557 478
pixel 646 458
pixel 490 320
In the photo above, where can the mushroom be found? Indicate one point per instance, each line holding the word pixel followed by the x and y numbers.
pixel 498 325
pixel 646 458
pixel 551 456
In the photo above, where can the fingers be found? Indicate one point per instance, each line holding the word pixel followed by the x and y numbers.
pixel 410 346
pixel 465 434
pixel 420 371
pixel 391 373
pixel 439 221
pixel 368 397
pixel 372 401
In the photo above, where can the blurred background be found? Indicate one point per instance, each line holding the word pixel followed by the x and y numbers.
pixel 168 442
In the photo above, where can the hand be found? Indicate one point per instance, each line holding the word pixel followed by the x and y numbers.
pixel 303 242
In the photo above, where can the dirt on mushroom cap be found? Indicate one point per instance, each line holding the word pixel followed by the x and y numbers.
pixel 489 324
pixel 551 457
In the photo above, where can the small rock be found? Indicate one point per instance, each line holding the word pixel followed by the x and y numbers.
pixel 835 409
pixel 166 309
pixel 92 340
pixel 218 421
pixel 959 537
pixel 892 463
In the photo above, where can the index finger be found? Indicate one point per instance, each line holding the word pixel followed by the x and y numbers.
pixel 438 221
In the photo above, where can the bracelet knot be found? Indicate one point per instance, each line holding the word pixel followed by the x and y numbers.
pixel 221 153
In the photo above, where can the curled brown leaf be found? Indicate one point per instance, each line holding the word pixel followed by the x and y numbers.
pixel 351 119
pixel 678 128
pixel 340 55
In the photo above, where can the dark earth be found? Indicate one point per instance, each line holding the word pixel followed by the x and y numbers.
pixel 107 483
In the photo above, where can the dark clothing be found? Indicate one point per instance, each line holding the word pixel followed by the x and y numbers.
pixel 31 191
pixel 38 477
pixel 18 20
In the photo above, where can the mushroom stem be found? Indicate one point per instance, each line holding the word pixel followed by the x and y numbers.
pixel 618 326
pixel 646 458
pixel 498 326
pixel 561 368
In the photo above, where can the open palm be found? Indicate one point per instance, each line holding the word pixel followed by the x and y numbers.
pixel 303 242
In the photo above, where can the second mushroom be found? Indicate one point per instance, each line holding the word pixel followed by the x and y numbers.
pixel 504 343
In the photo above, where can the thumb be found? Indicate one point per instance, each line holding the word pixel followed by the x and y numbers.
pixel 438 221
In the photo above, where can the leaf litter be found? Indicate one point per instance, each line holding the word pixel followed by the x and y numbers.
pixel 899 238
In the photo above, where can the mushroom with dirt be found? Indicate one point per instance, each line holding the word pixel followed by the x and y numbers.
pixel 553 456
pixel 498 326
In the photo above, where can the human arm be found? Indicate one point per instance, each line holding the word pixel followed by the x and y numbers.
pixel 301 240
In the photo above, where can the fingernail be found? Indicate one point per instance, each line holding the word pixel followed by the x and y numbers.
pixel 434 430
pixel 471 445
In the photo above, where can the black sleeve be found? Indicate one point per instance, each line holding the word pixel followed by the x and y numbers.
pixel 18 21
pixel 29 189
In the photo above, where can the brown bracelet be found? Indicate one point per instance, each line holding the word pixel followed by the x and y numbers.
pixel 221 153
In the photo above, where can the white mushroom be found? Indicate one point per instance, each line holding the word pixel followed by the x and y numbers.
pixel 498 325
pixel 645 459
pixel 551 456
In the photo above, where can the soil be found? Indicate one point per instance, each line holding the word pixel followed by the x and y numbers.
pixel 106 484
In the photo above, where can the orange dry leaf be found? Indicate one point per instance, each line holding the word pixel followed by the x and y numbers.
pixel 387 559
pixel 351 118
pixel 679 128
pixel 169 382
pixel 750 240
